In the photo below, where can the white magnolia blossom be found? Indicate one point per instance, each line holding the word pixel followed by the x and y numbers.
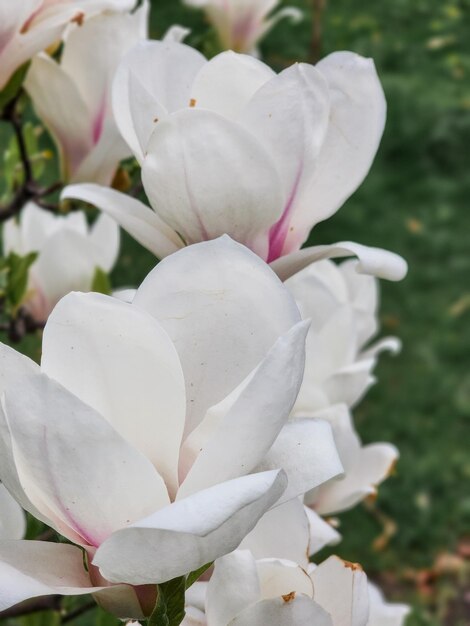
pixel 270 580
pixel 343 307
pixel 247 592
pixel 30 26
pixel 241 24
pixel 228 146
pixel 152 433
pixel 12 518
pixel 365 466
pixel 69 253
pixel 75 103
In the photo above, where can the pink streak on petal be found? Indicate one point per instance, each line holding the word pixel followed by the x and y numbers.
pixel 278 233
pixel 98 121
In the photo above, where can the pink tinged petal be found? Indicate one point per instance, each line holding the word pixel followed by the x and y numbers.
pixel 295 610
pixel 249 429
pixel 118 359
pixel 135 217
pixel 373 261
pixel 189 533
pixel 321 532
pixel 289 115
pixel 101 162
pixel 206 176
pixel 282 533
pixel 227 82
pixel 29 569
pixel 153 79
pixel 62 109
pixel 357 120
pixel 341 589
pixel 12 517
pixel 85 472
pixel 249 310
pixel 100 43
pixel 383 613
pixel 233 586
pixel 306 450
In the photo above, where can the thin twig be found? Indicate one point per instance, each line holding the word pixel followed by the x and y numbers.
pixel 79 611
pixel 319 7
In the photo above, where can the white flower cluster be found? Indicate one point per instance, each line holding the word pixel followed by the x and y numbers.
pixel 205 417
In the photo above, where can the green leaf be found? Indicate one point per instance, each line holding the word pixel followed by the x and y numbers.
pixel 13 86
pixel 169 610
pixel 101 282
pixel 193 576
pixel 17 282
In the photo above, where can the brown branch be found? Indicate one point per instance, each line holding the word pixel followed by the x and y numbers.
pixel 29 189
pixel 316 43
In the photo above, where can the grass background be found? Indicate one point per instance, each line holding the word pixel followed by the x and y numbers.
pixel 415 538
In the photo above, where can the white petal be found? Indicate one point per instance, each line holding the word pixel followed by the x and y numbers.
pixel 294 611
pixel 189 533
pixel 153 79
pixel 12 517
pixel 66 264
pixel 134 216
pixel 227 82
pixel 233 586
pixel 117 359
pixel 365 467
pixel 105 236
pixel 306 450
pixel 374 261
pixel 341 589
pixel 62 109
pixel 224 309
pixel 383 613
pixel 282 533
pixel 321 533
pixel 100 43
pixel 279 577
pixel 85 472
pixel 101 162
pixel 357 120
pixel 252 425
pixel 206 176
pixel 29 569
pixel 289 115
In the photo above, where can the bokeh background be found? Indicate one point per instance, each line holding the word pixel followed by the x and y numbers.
pixel 415 538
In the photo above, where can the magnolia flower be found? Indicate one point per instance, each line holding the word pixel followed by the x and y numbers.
pixel 228 146
pixel 152 433
pixel 30 26
pixel 75 103
pixel 69 253
pixel 247 592
pixel 12 518
pixel 343 307
pixel 241 24
pixel 365 467
pixel 381 613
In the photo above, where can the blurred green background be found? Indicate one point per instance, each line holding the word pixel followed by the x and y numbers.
pixel 415 539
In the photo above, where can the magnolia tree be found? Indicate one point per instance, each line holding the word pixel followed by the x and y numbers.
pixel 182 444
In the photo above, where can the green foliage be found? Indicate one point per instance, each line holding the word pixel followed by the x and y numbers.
pixel 169 610
pixel 101 283
pixel 12 88
pixel 14 272
pixel 193 576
